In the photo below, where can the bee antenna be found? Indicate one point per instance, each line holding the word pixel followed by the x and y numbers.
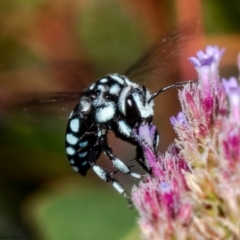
pixel 178 84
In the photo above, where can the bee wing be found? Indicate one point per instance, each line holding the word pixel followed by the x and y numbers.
pixel 161 60
pixel 50 98
pixel 46 107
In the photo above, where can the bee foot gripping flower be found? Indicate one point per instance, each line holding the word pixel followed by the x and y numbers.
pixel 193 189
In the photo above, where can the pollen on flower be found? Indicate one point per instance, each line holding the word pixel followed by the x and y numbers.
pixel 193 189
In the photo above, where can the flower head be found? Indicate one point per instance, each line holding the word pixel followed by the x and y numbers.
pixel 193 189
pixel 212 55
pixel 157 197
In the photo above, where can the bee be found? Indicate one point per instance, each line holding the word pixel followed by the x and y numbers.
pixel 112 103
pixel 115 103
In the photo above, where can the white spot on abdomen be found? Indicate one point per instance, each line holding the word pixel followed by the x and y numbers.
pixel 71 114
pixel 83 144
pixel 75 125
pixel 75 168
pixel 84 163
pixel 71 139
pixel 82 155
pixel 70 151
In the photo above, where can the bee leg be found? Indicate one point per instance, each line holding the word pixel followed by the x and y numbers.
pixel 107 177
pixel 140 159
pixel 120 165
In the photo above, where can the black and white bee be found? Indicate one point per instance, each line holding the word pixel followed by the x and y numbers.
pixel 114 103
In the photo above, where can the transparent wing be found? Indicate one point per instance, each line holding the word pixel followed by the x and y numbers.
pixel 49 99
pixel 47 107
pixel 45 92
pixel 154 68
pixel 161 61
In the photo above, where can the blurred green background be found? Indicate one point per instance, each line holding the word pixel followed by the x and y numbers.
pixel 48 46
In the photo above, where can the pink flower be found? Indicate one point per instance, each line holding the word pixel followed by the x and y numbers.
pixel 159 204
pixel 193 189
pixel 157 197
pixel 233 92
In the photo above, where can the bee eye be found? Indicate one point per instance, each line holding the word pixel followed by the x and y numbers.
pixel 131 109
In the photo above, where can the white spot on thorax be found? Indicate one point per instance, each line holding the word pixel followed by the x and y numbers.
pixel 74 124
pixel 104 114
pixel 71 139
pixel 101 88
pixel 85 105
pixel 117 78
pixel 115 89
pixel 92 86
pixel 122 97
pixel 103 80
